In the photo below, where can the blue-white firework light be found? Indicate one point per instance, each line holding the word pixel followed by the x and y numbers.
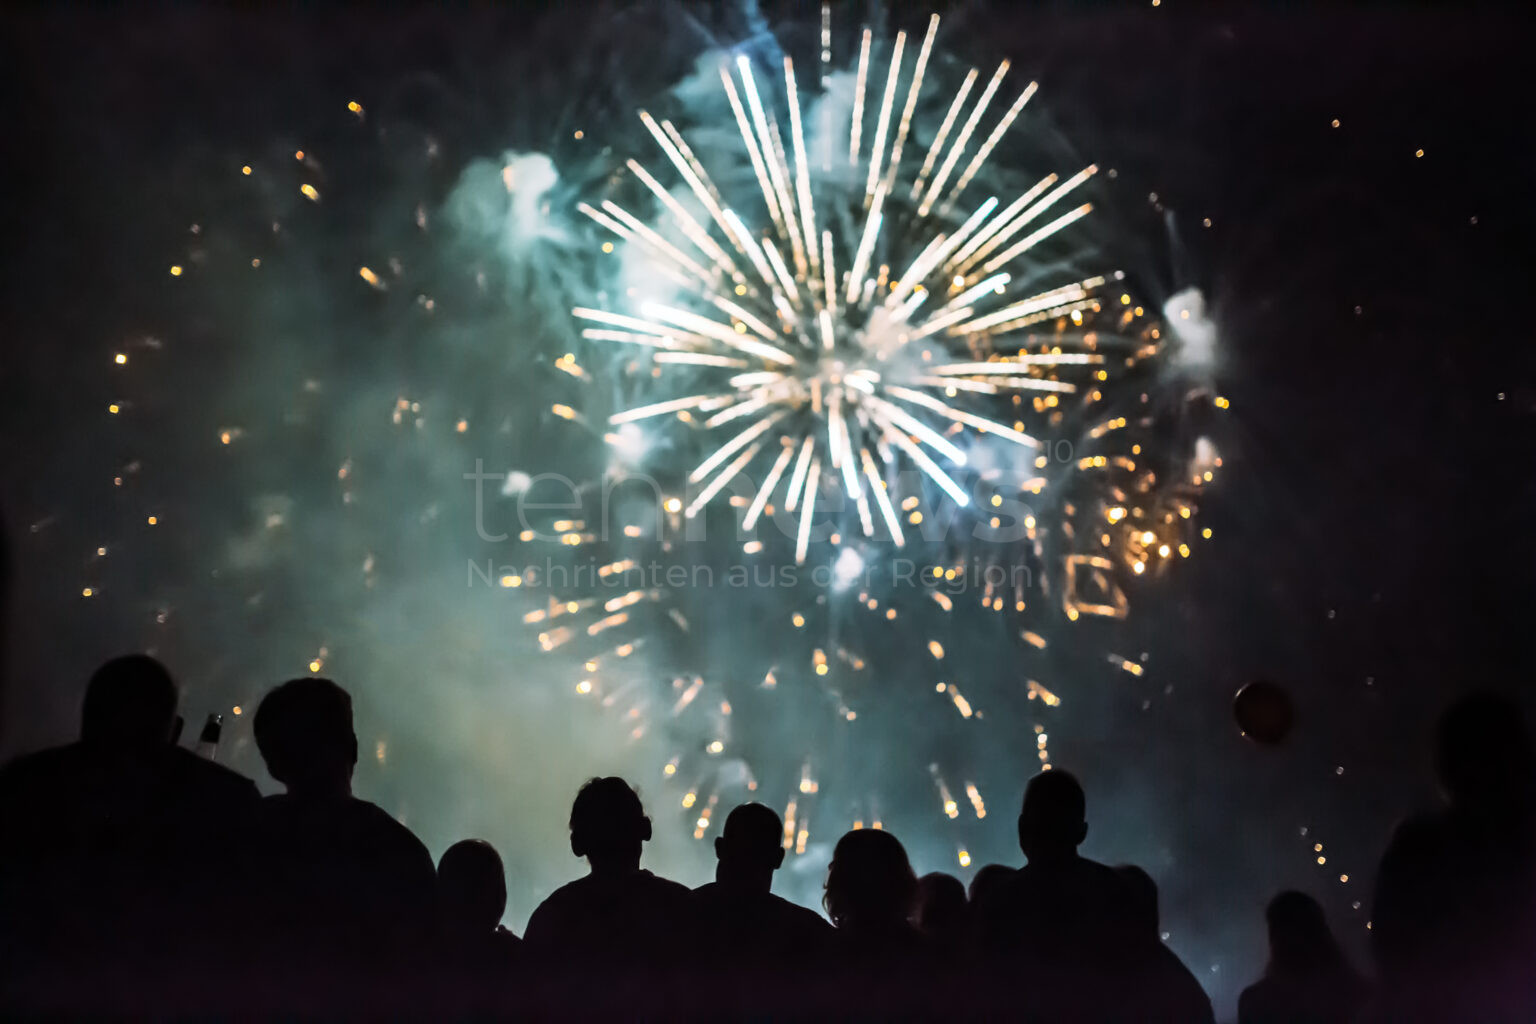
pixel 873 337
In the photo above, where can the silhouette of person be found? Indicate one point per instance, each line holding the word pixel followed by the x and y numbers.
pixel 739 920
pixel 619 911
pixel 942 912
pixel 471 897
pixel 1453 924
pixel 1059 906
pixel 747 936
pixel 1161 987
pixel 989 881
pixel 114 849
pixel 341 886
pixel 1308 979
pixel 1060 928
pixel 476 952
pixel 888 966
pixel 871 897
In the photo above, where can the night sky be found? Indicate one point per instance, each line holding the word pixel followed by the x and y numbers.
pixel 1349 187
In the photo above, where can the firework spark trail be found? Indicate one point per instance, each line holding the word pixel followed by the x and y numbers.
pixel 826 353
pixel 864 320
pixel 832 337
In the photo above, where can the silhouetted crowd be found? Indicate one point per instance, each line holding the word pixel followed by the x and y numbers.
pixel 138 879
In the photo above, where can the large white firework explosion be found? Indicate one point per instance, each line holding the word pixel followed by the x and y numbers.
pixel 883 311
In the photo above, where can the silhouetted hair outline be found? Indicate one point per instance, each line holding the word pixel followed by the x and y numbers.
pixel 304 726
pixel 1054 812
pixel 129 699
pixel 940 905
pixel 1299 936
pixel 869 879
pixel 988 881
pixel 607 817
pixel 753 835
pixel 472 885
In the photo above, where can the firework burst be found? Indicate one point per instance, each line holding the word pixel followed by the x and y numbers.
pixel 852 337
pixel 871 328
pixel 882 317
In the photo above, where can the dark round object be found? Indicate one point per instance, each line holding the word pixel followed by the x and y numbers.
pixel 1264 712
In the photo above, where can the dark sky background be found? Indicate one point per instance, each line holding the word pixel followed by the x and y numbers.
pixel 1373 542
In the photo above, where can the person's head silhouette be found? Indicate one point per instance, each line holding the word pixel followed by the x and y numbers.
pixel 471 887
pixel 941 906
pixel 304 732
pixel 1299 937
pixel 608 825
pixel 989 880
pixel 130 702
pixel 1483 755
pixel 751 847
pixel 870 882
pixel 1053 822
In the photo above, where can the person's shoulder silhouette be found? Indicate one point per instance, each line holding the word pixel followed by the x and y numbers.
pixel 1058 929
pixel 1161 986
pixel 885 967
pixel 989 881
pixel 1308 979
pixel 943 913
pixel 337 877
pixel 471 897
pixel 1061 905
pixel 1454 916
pixel 871 897
pixel 119 834
pixel 125 758
pixel 738 919
pixel 476 954
pixel 618 910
